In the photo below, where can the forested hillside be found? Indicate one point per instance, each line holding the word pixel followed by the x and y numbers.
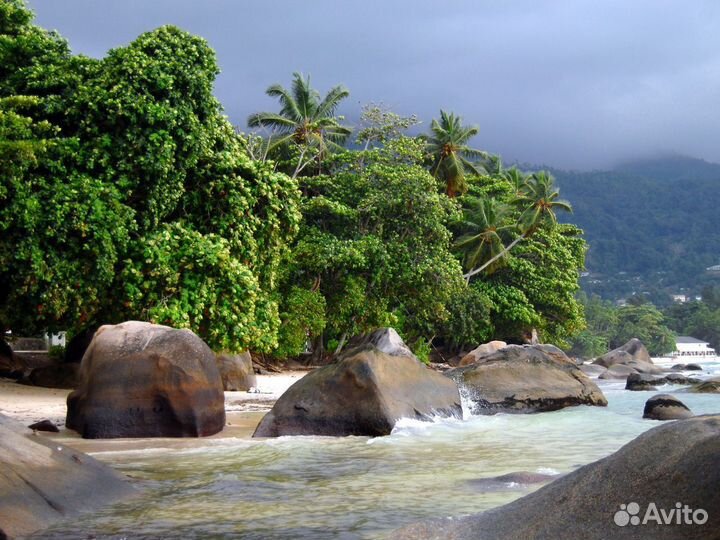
pixel 654 220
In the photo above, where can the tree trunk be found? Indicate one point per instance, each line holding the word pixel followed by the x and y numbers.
pixel 471 273
pixel 318 349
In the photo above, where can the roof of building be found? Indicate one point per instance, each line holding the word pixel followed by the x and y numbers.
pixel 688 339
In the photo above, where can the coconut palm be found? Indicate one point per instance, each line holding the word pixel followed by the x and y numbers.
pixel 304 118
pixel 485 221
pixel 539 202
pixel 450 154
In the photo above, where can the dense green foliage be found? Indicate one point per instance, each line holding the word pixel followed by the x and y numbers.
pixel 650 226
pixel 610 326
pixel 126 193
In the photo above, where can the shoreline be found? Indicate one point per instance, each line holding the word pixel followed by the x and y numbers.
pixel 243 410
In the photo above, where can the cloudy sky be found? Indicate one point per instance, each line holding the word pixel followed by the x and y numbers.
pixel 573 83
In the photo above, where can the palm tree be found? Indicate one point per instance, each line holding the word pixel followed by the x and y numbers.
pixel 517 179
pixel 451 157
pixel 538 202
pixel 304 118
pixel 485 220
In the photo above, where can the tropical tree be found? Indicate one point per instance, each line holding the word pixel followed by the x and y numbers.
pixel 484 221
pixel 538 202
pixel 305 120
pixel 451 157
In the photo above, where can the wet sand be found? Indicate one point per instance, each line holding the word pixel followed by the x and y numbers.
pixel 30 404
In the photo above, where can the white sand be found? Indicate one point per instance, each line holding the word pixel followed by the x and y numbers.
pixel 30 404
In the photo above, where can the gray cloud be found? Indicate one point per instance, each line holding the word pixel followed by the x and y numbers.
pixel 574 83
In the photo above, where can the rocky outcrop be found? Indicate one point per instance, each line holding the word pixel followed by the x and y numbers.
pixel 482 351
pixel 53 376
pixel 674 462
pixel 362 394
pixel 525 378
pixel 385 340
pixel 42 481
pixel 711 386
pixel 236 371
pixel 642 381
pixel 145 380
pixel 633 355
pixel 592 370
pixel 617 372
pixel 666 407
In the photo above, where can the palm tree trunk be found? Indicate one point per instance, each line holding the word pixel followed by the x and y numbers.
pixel 512 244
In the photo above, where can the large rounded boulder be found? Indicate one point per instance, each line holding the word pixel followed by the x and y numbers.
pixel 622 496
pixel 364 393
pixel 145 380
pixel 525 378
pixel 236 371
pixel 42 481
pixel 481 351
pixel 633 355
pixel 665 407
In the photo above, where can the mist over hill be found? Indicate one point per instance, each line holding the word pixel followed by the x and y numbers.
pixel 652 225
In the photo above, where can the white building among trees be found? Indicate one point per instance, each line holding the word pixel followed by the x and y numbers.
pixel 687 346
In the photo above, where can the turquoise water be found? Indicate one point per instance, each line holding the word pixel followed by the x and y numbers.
pixel 356 487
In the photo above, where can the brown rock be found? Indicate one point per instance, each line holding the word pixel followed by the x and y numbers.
pixel 42 481
pixel 145 380
pixel 526 378
pixel 236 371
pixel 364 394
pixel 482 351
pixel 53 376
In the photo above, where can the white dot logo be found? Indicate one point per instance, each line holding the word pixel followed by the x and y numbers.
pixel 628 514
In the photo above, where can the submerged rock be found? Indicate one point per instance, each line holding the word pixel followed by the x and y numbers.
pixel 674 462
pixel 363 394
pixel 711 386
pixel 666 407
pixel 642 381
pixel 236 371
pixel 526 378
pixel 145 380
pixel 42 482
pixel 510 481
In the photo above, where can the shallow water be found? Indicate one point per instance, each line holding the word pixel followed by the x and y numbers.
pixel 356 487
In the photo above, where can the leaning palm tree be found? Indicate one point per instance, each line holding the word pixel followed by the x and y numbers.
pixel 538 202
pixel 305 119
pixel 485 221
pixel 450 154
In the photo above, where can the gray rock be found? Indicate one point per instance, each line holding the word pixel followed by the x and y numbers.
pixel 385 340
pixel 592 370
pixel 632 350
pixel 42 481
pixel 482 351
pixel 526 378
pixel 364 394
pixel 674 462
pixel 146 380
pixel 236 371
pixel 617 372
pixel 665 407
pixel 642 382
pixel 711 386
pixel 511 481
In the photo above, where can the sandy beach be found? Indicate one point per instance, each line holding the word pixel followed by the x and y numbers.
pixel 30 404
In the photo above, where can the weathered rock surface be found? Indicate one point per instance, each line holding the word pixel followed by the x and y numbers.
pixel 666 407
pixel 385 340
pixel 633 354
pixel 711 386
pixel 42 482
pixel 526 378
pixel 236 371
pixel 592 370
pixel 363 394
pixel 144 380
pixel 481 351
pixel 674 462
pixel 53 376
pixel 617 372
pixel 643 381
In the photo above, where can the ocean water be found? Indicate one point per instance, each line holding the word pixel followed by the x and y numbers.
pixel 358 487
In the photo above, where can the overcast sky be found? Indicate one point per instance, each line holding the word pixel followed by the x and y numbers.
pixel 575 83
